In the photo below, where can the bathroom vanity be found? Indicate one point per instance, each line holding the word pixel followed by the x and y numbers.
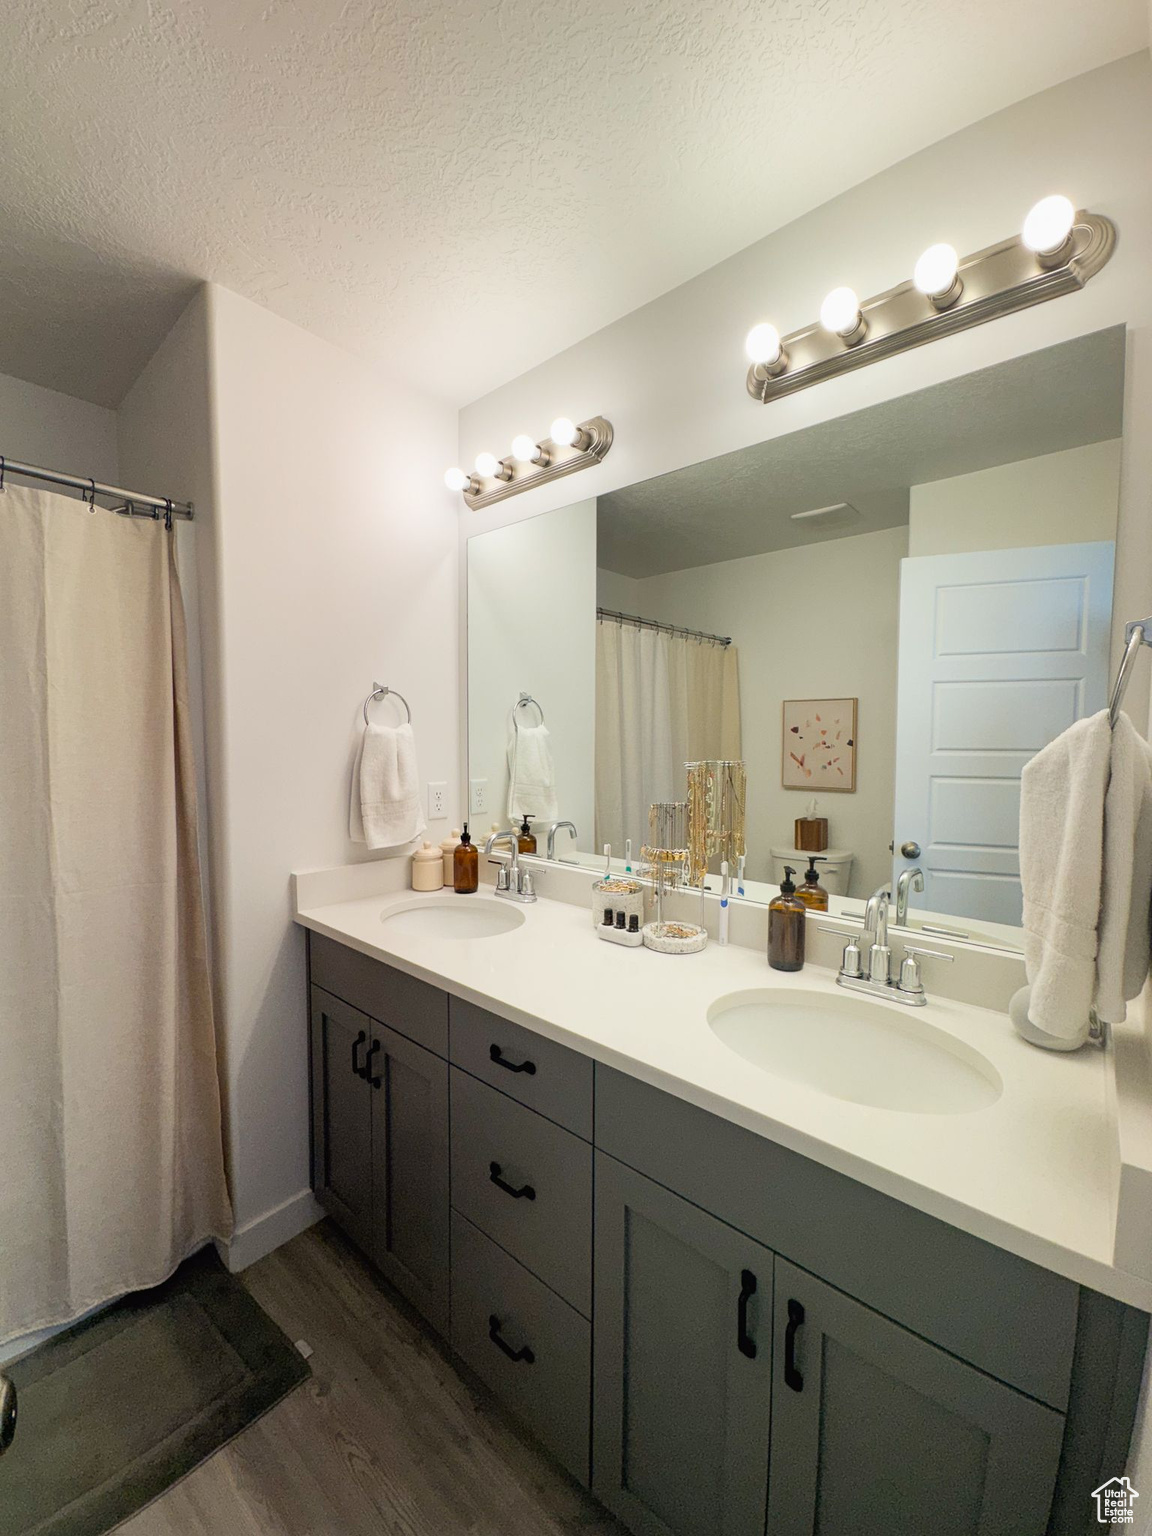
pixel 714 1295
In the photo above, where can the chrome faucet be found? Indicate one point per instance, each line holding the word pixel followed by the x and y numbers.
pixel 512 881
pixel 872 970
pixel 558 826
pixel 876 928
pixel 910 880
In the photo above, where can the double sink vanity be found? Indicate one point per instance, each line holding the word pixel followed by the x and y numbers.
pixel 743 1251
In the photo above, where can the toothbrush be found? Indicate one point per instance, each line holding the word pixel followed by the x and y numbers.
pixel 607 861
pixel 722 936
pixel 740 875
pixel 628 856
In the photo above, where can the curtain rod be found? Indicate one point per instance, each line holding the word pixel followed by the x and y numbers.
pixel 673 629
pixel 92 488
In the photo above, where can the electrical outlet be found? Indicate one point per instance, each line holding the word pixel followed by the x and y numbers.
pixel 437 799
pixel 479 797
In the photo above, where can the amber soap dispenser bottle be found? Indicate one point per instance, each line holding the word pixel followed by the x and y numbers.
pixel 786 915
pixel 465 865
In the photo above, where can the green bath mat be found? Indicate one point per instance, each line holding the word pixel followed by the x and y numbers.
pixel 119 1408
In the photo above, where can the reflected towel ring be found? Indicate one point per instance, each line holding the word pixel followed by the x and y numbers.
pixel 380 692
pixel 526 698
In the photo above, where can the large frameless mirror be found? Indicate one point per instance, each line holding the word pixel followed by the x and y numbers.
pixel 886 614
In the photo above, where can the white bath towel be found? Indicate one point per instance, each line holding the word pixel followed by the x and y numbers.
pixel 1123 955
pixel 385 808
pixel 1062 794
pixel 531 774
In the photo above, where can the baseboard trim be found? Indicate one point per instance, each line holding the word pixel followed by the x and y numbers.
pixel 271 1230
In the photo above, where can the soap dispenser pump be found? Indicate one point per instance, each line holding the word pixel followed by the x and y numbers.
pixel 786 926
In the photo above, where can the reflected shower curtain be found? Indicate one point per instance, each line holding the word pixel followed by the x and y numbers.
pixel 662 700
pixel 111 1161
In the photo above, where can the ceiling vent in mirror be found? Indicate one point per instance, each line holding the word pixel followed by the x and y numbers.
pixel 836 516
pixel 570 446
pixel 1056 252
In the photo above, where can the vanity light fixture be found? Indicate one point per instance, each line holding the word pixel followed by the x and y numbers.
pixel 572 446
pixel 1057 251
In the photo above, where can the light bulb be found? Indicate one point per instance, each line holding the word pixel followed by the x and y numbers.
pixel 457 480
pixel 840 314
pixel 936 270
pixel 487 464
pixel 563 431
pixel 1048 225
pixel 525 448
pixel 762 344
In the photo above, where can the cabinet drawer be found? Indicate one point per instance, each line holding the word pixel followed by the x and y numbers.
pixel 530 1347
pixel 410 1007
pixel 541 1208
pixel 547 1077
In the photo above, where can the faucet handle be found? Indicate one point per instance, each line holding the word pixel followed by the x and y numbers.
pixel 526 887
pixel 850 959
pixel 910 980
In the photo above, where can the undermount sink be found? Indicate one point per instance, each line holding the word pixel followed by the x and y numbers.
pixel 453 917
pixel 850 1048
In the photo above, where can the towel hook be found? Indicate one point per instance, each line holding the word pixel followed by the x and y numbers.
pixel 526 698
pixel 379 691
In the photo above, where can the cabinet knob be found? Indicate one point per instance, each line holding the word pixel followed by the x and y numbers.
pixel 521 1356
pixel 792 1377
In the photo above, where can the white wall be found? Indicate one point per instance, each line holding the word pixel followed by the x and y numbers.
pixel 532 629
pixel 55 431
pixel 1070 497
pixel 670 376
pixel 326 559
pixel 336 559
pixel 620 593
pixel 790 613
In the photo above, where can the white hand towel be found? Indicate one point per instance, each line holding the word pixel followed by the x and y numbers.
pixel 531 774
pixel 1062 794
pixel 1126 891
pixel 386 810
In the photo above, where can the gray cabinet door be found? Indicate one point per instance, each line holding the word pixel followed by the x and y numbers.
pixel 879 1433
pixel 409 1091
pixel 683 1363
pixel 341 1114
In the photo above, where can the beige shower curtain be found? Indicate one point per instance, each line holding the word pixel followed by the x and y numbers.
pixel 111 1163
pixel 662 700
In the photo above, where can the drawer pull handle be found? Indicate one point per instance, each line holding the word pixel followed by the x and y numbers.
pixel 499 1058
pixel 517 1356
pixel 356 1044
pixel 792 1377
pixel 744 1341
pixel 372 1049
pixel 525 1192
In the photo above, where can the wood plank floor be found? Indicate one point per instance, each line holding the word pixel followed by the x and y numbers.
pixel 389 1437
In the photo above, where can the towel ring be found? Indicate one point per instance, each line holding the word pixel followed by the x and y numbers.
pixel 526 698
pixel 380 692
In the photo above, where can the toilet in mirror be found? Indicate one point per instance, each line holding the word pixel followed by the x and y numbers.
pixel 887 614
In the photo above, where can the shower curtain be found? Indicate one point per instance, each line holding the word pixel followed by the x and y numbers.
pixel 662 700
pixel 111 1161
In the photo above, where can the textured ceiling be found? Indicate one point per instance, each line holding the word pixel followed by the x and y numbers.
pixel 457 190
pixel 741 503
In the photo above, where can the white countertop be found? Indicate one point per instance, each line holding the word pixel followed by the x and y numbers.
pixel 1037 1172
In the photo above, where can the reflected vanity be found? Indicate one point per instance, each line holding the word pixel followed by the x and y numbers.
pixel 891 612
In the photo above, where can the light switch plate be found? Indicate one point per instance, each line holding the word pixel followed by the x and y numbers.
pixel 437 800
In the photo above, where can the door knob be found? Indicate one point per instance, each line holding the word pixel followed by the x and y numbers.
pixel 7 1413
pixel 909 850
